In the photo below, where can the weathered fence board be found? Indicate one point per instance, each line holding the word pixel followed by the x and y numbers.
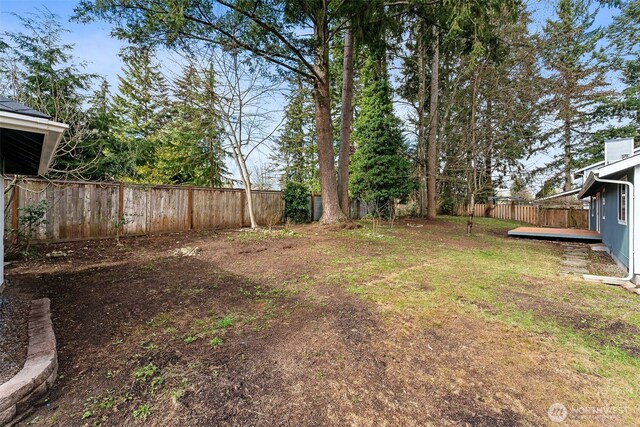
pixel 268 208
pixel 532 214
pixel 216 208
pixel 86 210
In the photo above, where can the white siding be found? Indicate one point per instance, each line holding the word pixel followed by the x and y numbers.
pixel 635 222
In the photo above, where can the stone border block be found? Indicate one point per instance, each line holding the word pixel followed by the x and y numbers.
pixel 36 378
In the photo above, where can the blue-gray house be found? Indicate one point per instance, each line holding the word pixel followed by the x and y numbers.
pixel 613 197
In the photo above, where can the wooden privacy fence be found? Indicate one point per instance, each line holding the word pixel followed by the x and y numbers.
pixel 532 214
pixel 87 210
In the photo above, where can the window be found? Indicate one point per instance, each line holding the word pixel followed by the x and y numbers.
pixel 604 199
pixel 622 203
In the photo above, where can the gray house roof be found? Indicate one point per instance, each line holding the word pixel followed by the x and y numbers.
pixel 558 195
pixel 612 170
pixel 13 107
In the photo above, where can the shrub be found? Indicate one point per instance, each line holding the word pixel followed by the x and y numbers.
pixel 29 219
pixel 296 202
pixel 447 206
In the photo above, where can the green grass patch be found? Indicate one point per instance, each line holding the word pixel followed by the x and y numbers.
pixel 441 272
pixel 225 322
pixel 216 342
pixel 142 412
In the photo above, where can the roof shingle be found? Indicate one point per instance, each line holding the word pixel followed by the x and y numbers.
pixel 10 106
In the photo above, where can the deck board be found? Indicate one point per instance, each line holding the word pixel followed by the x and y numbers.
pixel 556 233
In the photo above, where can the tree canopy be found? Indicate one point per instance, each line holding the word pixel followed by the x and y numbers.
pixel 430 103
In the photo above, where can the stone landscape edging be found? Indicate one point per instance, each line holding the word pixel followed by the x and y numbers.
pixel 40 369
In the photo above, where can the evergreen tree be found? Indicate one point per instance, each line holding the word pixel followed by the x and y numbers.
pixel 624 60
pixel 39 70
pixel 141 110
pixel 274 30
pixel 101 138
pixel 380 170
pixel 577 82
pixel 191 149
pixel 625 35
pixel 295 151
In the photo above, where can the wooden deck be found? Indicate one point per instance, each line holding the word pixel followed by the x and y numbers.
pixel 556 233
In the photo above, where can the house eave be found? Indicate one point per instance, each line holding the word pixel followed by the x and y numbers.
pixel 53 132
pixel 590 187
pixel 612 170
pixel 619 166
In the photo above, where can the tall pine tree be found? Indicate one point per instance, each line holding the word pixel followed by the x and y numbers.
pixel 295 151
pixel 381 172
pixel 141 110
pixel 624 34
pixel 191 147
pixel 577 82
pixel 101 137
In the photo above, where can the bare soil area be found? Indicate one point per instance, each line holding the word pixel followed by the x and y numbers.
pixel 288 328
pixel 14 337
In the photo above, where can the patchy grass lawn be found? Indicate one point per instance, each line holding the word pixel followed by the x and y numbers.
pixel 414 325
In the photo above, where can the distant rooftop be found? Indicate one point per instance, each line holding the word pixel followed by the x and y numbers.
pixel 10 106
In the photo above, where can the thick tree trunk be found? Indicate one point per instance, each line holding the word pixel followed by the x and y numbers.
pixel 346 116
pixel 488 157
pixel 568 182
pixel 331 212
pixel 422 134
pixel 470 212
pixel 432 149
pixel 472 177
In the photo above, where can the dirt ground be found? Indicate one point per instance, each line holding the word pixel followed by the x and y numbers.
pixel 265 329
pixel 14 312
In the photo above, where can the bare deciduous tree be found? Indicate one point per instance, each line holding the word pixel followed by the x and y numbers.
pixel 243 104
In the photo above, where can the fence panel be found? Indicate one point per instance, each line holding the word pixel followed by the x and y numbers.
pixel 315 207
pixel 268 207
pixel 85 210
pixel 532 214
pixel 135 210
pixel 215 208
pixel 168 208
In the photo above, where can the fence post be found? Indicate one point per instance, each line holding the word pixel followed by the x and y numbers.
pixel 571 219
pixel 120 202
pixel 241 209
pixel 513 210
pixel 190 207
pixel 16 204
pixel 313 211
